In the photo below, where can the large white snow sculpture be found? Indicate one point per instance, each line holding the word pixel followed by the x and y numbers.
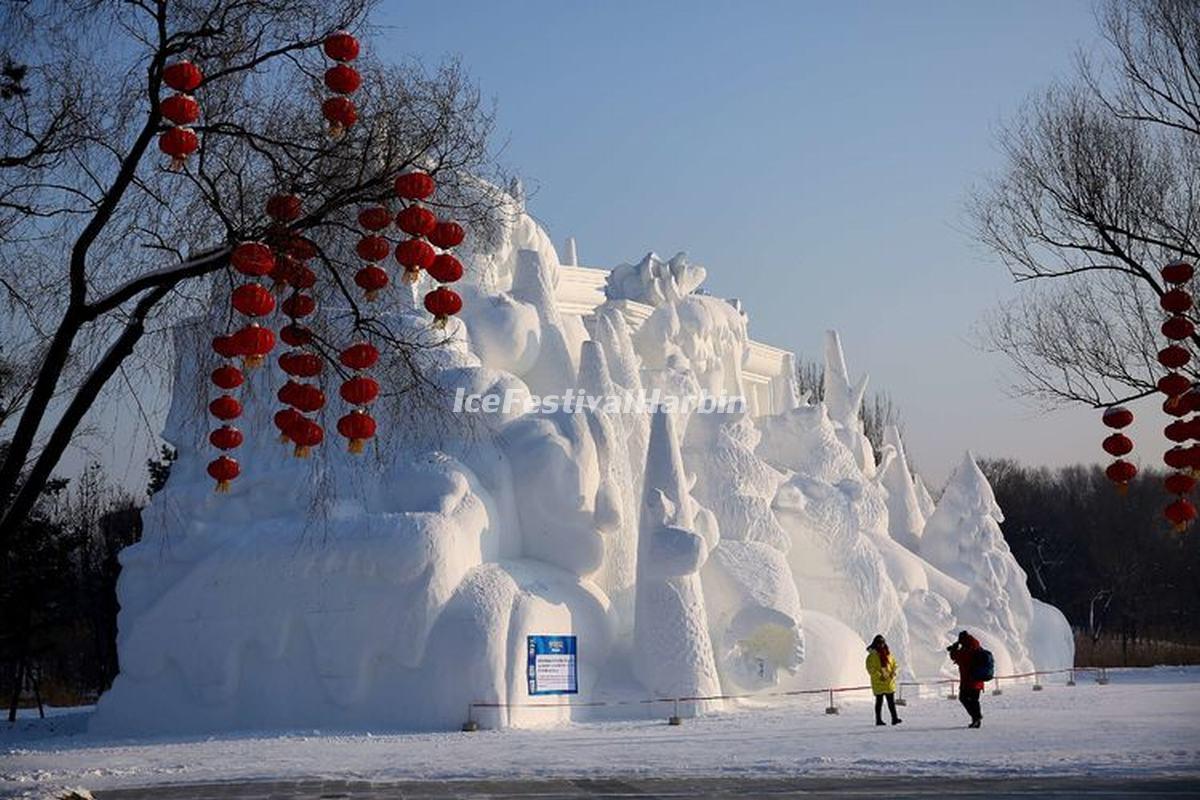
pixel 692 554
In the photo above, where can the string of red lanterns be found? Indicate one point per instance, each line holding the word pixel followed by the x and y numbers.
pixel 180 109
pixel 342 79
pixel 1182 397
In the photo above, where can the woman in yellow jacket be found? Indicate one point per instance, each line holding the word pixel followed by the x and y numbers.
pixel 882 667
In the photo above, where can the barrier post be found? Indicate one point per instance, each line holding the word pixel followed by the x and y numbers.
pixel 470 725
pixel 1071 677
pixel 831 708
pixel 952 695
pixel 900 701
pixel 675 719
pixel 1102 678
pixel 996 689
pixel 1037 681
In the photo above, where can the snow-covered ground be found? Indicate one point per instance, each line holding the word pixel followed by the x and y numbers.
pixel 1145 722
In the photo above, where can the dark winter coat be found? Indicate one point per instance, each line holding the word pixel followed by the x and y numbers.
pixel 964 657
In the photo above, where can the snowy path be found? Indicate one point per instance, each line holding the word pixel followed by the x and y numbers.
pixel 1145 723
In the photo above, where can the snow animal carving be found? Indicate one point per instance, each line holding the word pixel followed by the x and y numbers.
pixel 672 654
pixel 655 282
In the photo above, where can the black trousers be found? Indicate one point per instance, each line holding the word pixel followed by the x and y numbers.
pixel 891 698
pixel 970 701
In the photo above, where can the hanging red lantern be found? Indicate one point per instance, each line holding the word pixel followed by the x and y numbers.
pixel 252 258
pixel 1177 458
pixel 1118 445
pixel 226 437
pixel 223 470
pixel 1178 431
pixel 1180 513
pixel 416 221
pixel 1179 483
pixel 1117 417
pixel 1173 384
pixel 341 114
pixel 299 305
pixel 309 398
pixel 1177 328
pixel 360 390
pixel 303 278
pixel 360 356
pixel 253 300
pixel 284 420
pixel 1173 356
pixel 301 364
pixel 225 407
pixel 285 207
pixel 300 248
pixel 1191 399
pixel 414 186
pixel 226 346
pixel 306 434
pixel 295 335
pixel 371 280
pixel 182 76
pixel 179 143
pixel 343 79
pixel 373 248
pixel 447 234
pixel 284 270
pixel 1176 301
pixel 228 377
pixel 341 46
pixel 414 255
pixel 289 393
pixel 1177 272
pixel 1176 406
pixel 358 426
pixel 254 342
pixel 182 109
pixel 446 268
pixel 443 303
pixel 1121 472
pixel 374 218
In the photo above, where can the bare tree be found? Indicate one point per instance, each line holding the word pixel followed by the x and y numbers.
pixel 103 249
pixel 1101 188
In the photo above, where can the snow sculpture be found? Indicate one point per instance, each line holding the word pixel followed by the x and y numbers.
pixel 692 554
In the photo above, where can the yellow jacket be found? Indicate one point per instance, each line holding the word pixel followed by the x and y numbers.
pixel 883 677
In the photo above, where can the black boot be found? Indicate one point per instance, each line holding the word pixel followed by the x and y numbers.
pixel 896 720
pixel 879 721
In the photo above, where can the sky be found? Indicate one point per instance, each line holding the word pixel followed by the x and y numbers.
pixel 815 157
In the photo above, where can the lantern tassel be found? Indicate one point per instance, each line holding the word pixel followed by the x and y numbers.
pixel 222 487
pixel 411 275
pixel 1122 489
pixel 252 362
pixel 336 130
pixel 302 451
pixel 371 295
pixel 356 446
pixel 440 321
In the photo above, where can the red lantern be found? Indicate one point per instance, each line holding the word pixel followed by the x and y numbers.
pixel 228 377
pixel 340 113
pixel 447 234
pixel 374 218
pixel 358 427
pixel 360 390
pixel 309 398
pixel 371 280
pixel 416 221
pixel 343 79
pixel 1173 384
pixel 284 270
pixel 179 143
pixel 300 248
pixel 295 335
pixel 299 305
pixel 300 364
pixel 1177 458
pixel 1173 356
pixel 226 346
pixel 1177 431
pixel 1176 328
pixel 1180 513
pixel 1177 272
pixel 223 470
pixel 443 303
pixel 289 393
pixel 252 258
pixel 373 248
pixel 446 268
pixel 360 356
pixel 285 207
pixel 1176 406
pixel 1117 417
pixel 414 186
pixel 1176 301
pixel 225 407
pixel 1191 399
pixel 285 419
pixel 254 343
pixel 304 278
pixel 182 109
pixel 253 300
pixel 182 76
pixel 1121 472
pixel 415 254
pixel 341 46
pixel 226 437
pixel 306 434
pixel 1118 445
pixel 1179 483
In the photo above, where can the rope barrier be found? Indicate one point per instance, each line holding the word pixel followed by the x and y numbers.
pixel 1101 674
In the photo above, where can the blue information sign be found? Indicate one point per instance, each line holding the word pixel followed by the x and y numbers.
pixel 552 665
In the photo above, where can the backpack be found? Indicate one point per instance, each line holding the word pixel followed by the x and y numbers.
pixel 983 666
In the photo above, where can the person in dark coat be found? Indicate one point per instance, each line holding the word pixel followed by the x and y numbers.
pixel 882 667
pixel 962 653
